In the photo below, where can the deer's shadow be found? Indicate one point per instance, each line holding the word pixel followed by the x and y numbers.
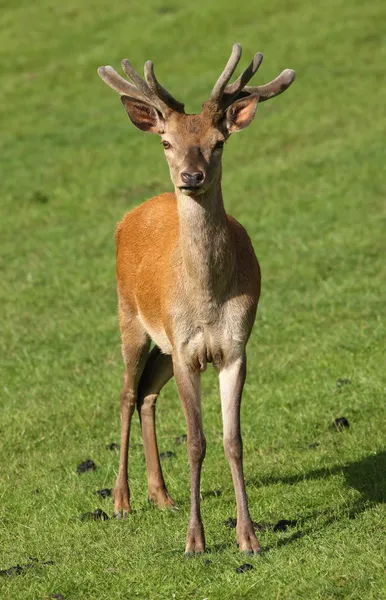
pixel 367 476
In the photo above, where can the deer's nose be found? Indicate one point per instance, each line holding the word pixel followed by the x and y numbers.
pixel 192 178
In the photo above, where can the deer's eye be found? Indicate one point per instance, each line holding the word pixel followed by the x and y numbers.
pixel 166 144
pixel 219 145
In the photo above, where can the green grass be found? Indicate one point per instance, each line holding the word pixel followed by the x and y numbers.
pixel 307 179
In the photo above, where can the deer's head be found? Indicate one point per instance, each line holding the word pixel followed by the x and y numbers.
pixel 193 143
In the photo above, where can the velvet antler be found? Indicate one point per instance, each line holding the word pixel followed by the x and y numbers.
pixel 150 91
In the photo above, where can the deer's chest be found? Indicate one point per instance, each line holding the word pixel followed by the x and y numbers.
pixel 204 331
pixel 199 331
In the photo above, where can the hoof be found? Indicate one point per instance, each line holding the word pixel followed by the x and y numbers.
pixel 246 539
pixel 161 499
pixel 195 540
pixel 121 501
pixel 121 514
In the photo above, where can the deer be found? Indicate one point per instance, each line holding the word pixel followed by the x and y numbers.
pixel 188 280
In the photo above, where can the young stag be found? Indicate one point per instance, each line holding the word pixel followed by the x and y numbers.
pixel 188 279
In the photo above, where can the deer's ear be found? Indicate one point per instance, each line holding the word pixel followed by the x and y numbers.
pixel 145 117
pixel 240 114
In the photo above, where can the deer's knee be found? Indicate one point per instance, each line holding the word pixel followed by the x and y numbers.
pixel 197 447
pixel 233 447
pixel 128 402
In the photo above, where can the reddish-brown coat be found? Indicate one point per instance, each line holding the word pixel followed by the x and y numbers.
pixel 147 245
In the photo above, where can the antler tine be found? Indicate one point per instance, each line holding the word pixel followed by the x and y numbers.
pixel 151 88
pixel 135 77
pixel 227 73
pixel 246 76
pixel 117 83
pixel 160 91
pixel 234 88
pixel 273 88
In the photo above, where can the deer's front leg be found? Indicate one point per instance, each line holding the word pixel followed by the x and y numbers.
pixel 232 378
pixel 188 384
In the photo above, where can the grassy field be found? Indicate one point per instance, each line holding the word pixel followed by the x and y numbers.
pixel 307 180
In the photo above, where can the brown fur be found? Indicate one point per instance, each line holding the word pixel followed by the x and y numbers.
pixel 148 251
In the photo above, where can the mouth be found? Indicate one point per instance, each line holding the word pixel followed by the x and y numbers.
pixel 191 189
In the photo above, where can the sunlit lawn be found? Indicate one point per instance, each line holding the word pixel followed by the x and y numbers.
pixel 307 180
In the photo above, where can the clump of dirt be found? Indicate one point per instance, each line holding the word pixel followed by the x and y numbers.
pixel 167 454
pixel 113 446
pixel 97 515
pixel 341 423
pixel 104 493
pixel 39 197
pixel 244 568
pixel 87 465
pixel 181 439
pixel 341 381
pixel 16 570
pixel 283 525
pixel 230 522
pixel 20 569
pixel 313 445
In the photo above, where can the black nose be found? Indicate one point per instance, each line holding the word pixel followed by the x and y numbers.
pixel 192 178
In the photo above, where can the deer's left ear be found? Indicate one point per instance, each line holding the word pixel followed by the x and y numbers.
pixel 240 114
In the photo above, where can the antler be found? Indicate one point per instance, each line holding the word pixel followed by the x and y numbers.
pixel 223 95
pixel 150 91
pixel 273 88
pixel 219 86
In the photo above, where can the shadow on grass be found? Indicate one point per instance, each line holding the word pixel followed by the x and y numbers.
pixel 367 476
pixel 329 517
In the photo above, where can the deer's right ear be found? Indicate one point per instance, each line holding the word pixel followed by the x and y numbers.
pixel 143 116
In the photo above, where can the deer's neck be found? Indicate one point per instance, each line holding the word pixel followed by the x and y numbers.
pixel 206 244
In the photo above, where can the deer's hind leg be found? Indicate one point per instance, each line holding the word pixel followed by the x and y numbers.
pixel 157 372
pixel 135 349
